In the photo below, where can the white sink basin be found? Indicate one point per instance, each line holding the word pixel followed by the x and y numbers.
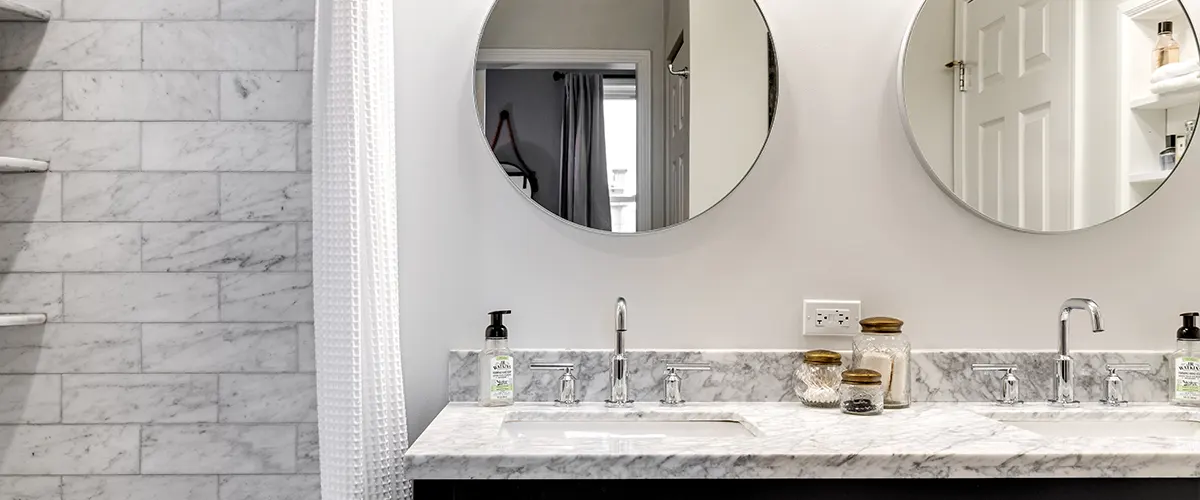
pixel 1110 428
pixel 624 429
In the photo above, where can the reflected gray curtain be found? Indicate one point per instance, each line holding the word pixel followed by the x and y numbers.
pixel 583 185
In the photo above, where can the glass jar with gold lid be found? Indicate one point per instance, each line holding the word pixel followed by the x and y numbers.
pixel 819 379
pixel 884 348
pixel 861 392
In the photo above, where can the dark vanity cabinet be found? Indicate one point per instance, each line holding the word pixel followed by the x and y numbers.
pixel 816 489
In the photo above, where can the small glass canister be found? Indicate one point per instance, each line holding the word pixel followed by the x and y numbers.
pixel 820 376
pixel 861 392
pixel 882 347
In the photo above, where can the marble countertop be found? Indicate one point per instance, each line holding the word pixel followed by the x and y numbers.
pixel 929 440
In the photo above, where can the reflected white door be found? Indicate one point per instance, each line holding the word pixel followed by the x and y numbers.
pixel 678 141
pixel 1018 117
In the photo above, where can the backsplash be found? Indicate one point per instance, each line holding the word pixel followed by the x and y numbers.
pixel 769 376
pixel 170 247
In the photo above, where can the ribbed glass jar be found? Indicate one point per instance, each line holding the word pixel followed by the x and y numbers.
pixel 882 347
pixel 819 378
pixel 861 392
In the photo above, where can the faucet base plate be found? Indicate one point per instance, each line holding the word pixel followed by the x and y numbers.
pixel 1063 404
pixel 618 404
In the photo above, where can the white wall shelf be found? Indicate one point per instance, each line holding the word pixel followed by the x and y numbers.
pixel 22 319
pixel 1166 101
pixel 11 10
pixel 1156 177
pixel 9 165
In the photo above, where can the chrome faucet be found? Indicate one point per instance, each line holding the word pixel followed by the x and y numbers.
pixel 1064 378
pixel 618 386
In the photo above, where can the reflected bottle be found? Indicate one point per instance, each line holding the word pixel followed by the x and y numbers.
pixel 1166 51
pixel 1169 157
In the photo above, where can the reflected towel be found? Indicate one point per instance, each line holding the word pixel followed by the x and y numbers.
pixel 1185 82
pixel 1175 70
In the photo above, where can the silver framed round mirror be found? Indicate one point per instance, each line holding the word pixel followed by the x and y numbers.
pixel 625 116
pixel 1050 116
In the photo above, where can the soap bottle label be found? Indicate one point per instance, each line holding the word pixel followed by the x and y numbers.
pixel 501 385
pixel 1187 379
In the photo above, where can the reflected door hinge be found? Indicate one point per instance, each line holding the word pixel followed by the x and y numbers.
pixel 960 68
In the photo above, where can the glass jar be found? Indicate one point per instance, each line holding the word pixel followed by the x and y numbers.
pixel 882 347
pixel 820 375
pixel 861 392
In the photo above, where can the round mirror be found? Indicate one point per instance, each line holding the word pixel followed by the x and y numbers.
pixel 625 116
pixel 1050 115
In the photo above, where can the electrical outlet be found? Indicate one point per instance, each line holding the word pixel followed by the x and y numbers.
pixel 832 317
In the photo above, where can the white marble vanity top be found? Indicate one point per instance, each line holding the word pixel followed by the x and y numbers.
pixel 930 440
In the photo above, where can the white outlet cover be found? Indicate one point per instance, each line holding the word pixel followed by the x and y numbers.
pixel 816 312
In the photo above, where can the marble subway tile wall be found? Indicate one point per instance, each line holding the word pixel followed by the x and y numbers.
pixel 169 246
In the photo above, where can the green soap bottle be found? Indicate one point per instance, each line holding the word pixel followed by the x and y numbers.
pixel 496 367
pixel 1184 364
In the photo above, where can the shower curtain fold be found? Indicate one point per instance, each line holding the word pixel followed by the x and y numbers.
pixel 360 390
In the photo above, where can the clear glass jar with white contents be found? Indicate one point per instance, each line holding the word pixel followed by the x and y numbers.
pixel 819 378
pixel 861 392
pixel 882 347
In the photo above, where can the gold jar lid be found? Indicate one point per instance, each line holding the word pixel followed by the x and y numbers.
pixel 862 377
pixel 822 357
pixel 881 324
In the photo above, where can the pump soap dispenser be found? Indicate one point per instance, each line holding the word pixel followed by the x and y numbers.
pixel 496 364
pixel 1184 363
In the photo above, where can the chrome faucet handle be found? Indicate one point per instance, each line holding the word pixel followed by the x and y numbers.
pixel 672 382
pixel 1114 387
pixel 1012 384
pixel 566 383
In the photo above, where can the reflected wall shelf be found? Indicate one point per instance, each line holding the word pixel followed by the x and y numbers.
pixel 22 319
pixel 1156 10
pixel 1156 177
pixel 10 165
pixel 11 10
pixel 1166 101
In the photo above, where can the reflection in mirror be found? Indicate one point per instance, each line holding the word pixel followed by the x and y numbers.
pixel 626 115
pixel 1051 115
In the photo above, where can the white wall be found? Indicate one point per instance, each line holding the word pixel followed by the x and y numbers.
pixel 838 207
pixel 930 87
pixel 728 118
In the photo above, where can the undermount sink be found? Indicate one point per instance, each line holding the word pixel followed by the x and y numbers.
pixel 1142 428
pixel 600 427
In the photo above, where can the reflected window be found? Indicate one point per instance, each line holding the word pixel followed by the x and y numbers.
pixel 621 138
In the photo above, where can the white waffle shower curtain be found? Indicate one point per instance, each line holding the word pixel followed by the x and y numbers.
pixel 360 388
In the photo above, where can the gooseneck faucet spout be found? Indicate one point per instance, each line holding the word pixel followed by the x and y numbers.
pixel 618 388
pixel 622 318
pixel 1064 379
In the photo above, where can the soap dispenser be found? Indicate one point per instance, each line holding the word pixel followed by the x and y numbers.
pixel 496 364
pixel 1184 363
